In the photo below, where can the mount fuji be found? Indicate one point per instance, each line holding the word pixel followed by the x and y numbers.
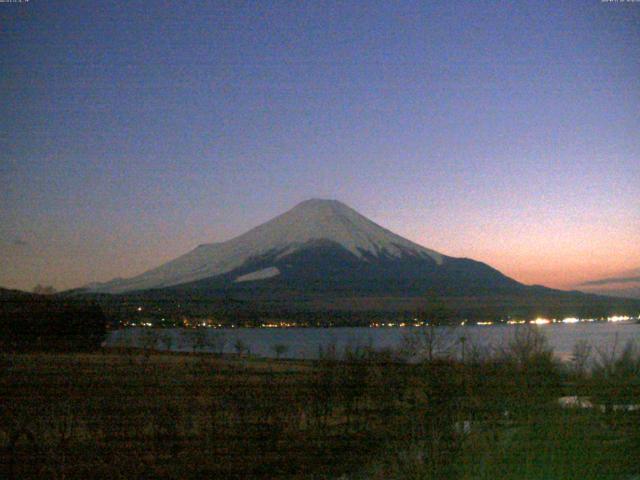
pixel 324 256
pixel 318 244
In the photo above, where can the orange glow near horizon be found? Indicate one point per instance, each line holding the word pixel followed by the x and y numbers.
pixel 529 255
pixel 556 273
pixel 542 258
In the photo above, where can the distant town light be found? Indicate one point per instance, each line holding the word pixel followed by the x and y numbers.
pixel 618 318
pixel 570 320
pixel 540 321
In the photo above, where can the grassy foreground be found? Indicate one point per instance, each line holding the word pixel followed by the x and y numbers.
pixel 147 415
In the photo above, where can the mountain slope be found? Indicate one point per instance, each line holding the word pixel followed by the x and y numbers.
pixel 326 267
pixel 308 222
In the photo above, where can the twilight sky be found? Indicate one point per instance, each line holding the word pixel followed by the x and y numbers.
pixel 132 131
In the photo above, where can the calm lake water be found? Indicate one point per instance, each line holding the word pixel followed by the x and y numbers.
pixel 306 342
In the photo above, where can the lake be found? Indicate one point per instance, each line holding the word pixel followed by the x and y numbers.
pixel 306 342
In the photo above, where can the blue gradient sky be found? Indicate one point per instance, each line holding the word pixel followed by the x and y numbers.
pixel 132 131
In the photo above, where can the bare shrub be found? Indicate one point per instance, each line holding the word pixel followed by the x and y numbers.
pixel 240 347
pixel 217 342
pixel 580 357
pixel 528 376
pixel 149 339
pixel 279 349
pixel 195 339
pixel 429 342
pixel 527 345
pixel 616 376
pixel 200 340
pixel 166 340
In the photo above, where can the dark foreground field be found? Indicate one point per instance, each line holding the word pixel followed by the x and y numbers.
pixel 141 415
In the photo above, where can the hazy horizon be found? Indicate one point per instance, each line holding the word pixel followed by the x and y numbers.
pixel 502 132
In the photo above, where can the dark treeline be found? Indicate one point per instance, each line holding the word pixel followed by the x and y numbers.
pixel 171 314
pixel 170 308
pixel 33 322
pixel 358 413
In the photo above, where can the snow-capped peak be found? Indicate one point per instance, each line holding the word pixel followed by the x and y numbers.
pixel 318 219
pixel 311 220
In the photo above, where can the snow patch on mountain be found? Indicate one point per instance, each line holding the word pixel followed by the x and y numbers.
pixel 263 274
